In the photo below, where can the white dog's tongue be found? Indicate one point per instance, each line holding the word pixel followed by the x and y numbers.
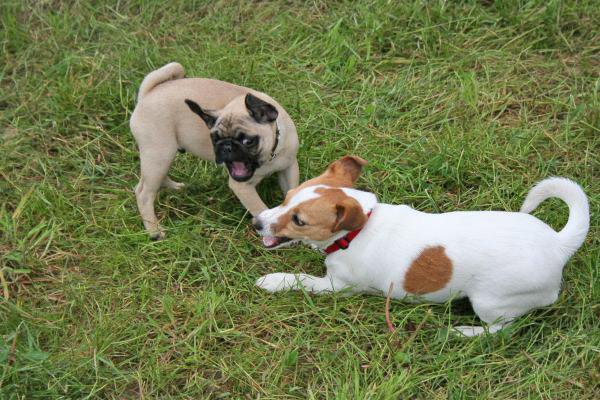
pixel 239 169
pixel 270 241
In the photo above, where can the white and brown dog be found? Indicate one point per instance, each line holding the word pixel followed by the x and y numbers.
pixel 506 263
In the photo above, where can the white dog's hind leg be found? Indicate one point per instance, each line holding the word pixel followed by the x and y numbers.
pixel 280 281
pixel 498 313
pixel 491 311
pixel 471 331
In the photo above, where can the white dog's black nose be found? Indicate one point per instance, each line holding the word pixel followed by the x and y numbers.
pixel 257 224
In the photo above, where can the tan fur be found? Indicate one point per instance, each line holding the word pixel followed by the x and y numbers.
pixel 429 272
pixel 340 173
pixel 329 213
pixel 350 215
pixel 347 168
pixel 162 123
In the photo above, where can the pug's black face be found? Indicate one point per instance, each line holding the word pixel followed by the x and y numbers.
pixel 236 138
pixel 240 154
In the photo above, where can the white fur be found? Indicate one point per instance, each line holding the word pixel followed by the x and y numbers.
pixel 506 263
pixel 270 216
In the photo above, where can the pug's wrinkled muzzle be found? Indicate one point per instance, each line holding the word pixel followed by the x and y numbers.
pixel 239 162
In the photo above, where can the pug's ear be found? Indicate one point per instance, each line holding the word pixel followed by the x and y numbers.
pixel 260 110
pixel 208 119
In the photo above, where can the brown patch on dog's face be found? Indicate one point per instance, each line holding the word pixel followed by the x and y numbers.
pixel 340 173
pixel 320 218
pixel 429 272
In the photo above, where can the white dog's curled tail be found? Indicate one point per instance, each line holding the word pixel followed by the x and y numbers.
pixel 574 232
pixel 168 72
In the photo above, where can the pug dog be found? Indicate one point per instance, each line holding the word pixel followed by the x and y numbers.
pixel 244 130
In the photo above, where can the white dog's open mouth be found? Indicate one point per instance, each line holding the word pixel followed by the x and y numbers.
pixel 271 242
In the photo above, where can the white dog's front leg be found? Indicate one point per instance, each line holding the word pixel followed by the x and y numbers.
pixel 281 282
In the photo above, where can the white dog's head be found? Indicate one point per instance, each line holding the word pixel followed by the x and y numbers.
pixel 320 210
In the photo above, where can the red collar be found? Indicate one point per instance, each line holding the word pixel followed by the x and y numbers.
pixel 343 242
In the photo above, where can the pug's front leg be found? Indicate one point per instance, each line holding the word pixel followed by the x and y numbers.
pixel 289 178
pixel 248 196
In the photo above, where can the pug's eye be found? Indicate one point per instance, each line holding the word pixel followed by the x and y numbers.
pixel 248 140
pixel 297 220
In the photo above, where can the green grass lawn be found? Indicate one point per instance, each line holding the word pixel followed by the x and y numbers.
pixel 456 105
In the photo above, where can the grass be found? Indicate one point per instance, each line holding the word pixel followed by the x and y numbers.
pixel 456 105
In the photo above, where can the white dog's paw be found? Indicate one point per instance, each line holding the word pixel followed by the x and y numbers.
pixel 277 282
pixel 468 331
pixel 471 331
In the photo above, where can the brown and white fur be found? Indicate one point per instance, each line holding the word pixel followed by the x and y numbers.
pixel 205 116
pixel 506 263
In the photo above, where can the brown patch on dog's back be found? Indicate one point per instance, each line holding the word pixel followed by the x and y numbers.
pixel 429 272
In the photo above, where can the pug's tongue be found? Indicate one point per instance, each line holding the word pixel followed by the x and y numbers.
pixel 270 241
pixel 239 169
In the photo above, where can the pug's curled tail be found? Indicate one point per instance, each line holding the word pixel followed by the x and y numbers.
pixel 169 72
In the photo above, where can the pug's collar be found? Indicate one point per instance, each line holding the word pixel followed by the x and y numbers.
pixel 277 134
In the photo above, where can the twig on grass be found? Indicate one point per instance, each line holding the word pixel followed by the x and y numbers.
pixel 387 308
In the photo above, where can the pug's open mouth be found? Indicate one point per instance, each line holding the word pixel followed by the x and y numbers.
pixel 272 242
pixel 240 171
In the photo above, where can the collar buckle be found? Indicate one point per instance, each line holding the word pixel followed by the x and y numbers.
pixel 342 243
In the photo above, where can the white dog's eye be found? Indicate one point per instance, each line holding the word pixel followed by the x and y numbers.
pixel 297 220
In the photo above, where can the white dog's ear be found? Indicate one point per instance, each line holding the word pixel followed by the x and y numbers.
pixel 340 173
pixel 260 110
pixel 348 167
pixel 350 215
pixel 208 119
